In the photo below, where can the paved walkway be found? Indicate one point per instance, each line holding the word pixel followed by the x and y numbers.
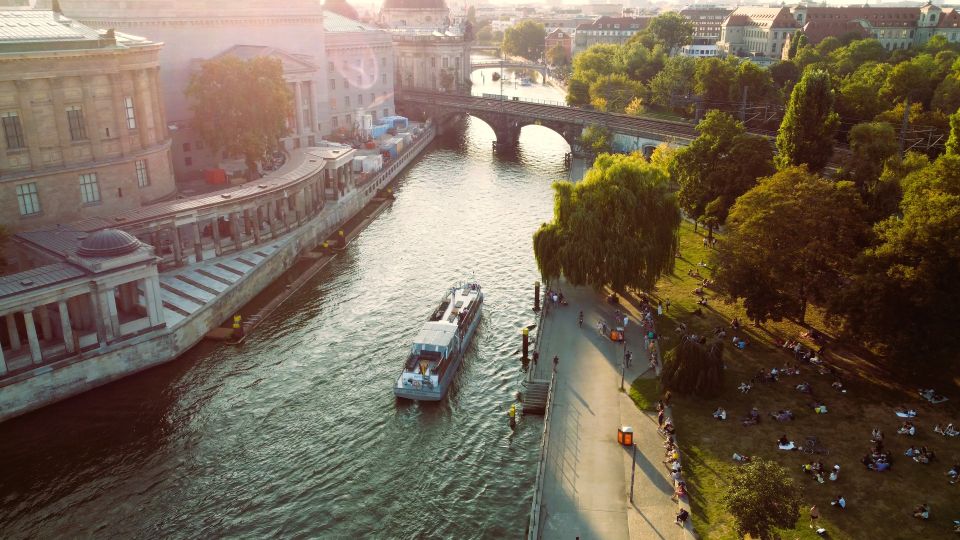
pixel 587 480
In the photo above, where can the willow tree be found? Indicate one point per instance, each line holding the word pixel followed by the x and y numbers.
pixel 692 368
pixel 617 227
pixel 809 125
pixel 241 106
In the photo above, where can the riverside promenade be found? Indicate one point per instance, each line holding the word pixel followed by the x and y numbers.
pixel 586 481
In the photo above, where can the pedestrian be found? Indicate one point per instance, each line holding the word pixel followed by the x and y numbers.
pixel 668 306
pixel 625 321
pixel 666 399
pixel 660 418
pixel 600 327
pixel 660 308
pixel 556 361
pixel 814 516
pixel 580 320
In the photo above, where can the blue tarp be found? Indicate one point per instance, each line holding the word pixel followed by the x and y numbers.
pixel 399 122
pixel 379 130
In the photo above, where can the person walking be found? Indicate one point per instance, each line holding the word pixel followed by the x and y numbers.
pixel 814 516
pixel 580 320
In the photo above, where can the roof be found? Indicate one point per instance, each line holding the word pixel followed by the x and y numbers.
pixel 437 333
pixel 818 30
pixel 949 19
pixel 880 17
pixel 335 22
pixel 776 17
pixel 691 13
pixel 291 62
pixel 414 4
pixel 36 278
pixel 558 33
pixel 30 25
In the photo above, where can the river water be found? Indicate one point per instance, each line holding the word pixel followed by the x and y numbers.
pixel 297 432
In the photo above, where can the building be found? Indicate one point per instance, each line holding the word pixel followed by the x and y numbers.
pixel 756 31
pixel 559 37
pixel 616 30
pixel 335 65
pixel 707 22
pixel 894 27
pixel 84 131
pixel 431 52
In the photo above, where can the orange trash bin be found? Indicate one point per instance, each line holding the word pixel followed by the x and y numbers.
pixel 625 435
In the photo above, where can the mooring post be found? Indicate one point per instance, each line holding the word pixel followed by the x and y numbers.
pixel 536 296
pixel 526 343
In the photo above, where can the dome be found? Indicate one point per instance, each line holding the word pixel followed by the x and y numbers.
pixel 108 243
pixel 414 4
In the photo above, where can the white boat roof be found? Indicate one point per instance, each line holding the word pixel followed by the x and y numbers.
pixel 436 333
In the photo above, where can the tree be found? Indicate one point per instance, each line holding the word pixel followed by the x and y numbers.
pixel 828 44
pixel 672 29
pixel 846 60
pixel 673 82
pixel 600 59
pixel 859 97
pixel 791 240
pixel 909 81
pixel 755 81
pixel 785 74
pixel 953 143
pixel 721 164
pixel 695 369
pixel 905 290
pixel 639 62
pixel 578 92
pixel 635 107
pixel 806 133
pixel 946 97
pixel 797 42
pixel 712 80
pixel 446 80
pixel 525 39
pixel 557 56
pixel 617 227
pixel 341 7
pixel 596 139
pixel 762 497
pixel 616 90
pixel 871 145
pixel 240 106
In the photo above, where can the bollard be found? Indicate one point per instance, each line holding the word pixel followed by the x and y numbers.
pixel 536 296
pixel 526 342
pixel 237 327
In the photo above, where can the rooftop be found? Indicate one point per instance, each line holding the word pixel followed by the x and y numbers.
pixel 38 30
pixel 334 22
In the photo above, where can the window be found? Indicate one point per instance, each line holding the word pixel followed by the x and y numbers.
pixel 188 161
pixel 444 62
pixel 131 117
pixel 75 120
pixel 349 120
pixel 336 122
pixel 333 103
pixel 330 67
pixel 373 98
pixel 347 100
pixel 27 199
pixel 333 84
pixel 12 130
pixel 143 179
pixel 383 78
pixel 89 188
pixel 383 61
pixel 359 99
pixel 186 147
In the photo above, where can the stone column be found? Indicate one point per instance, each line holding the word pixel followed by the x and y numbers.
pixel 257 220
pixel 141 107
pixel 44 315
pixel 12 332
pixel 235 230
pixel 120 112
pixel 92 116
pixel 32 339
pixel 298 98
pixel 28 123
pixel 108 312
pixel 127 298
pixel 60 116
pixel 65 328
pixel 271 210
pixel 197 241
pixel 156 105
pixel 215 226
pixel 3 363
pixel 177 247
pixel 151 290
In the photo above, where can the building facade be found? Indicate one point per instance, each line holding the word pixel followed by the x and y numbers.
pixel 428 56
pixel 559 37
pixel 756 31
pixel 707 22
pixel 894 27
pixel 616 30
pixel 84 130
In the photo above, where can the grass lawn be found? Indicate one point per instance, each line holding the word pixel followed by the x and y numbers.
pixel 879 504
pixel 645 393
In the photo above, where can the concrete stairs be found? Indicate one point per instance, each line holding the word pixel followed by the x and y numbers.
pixel 535 396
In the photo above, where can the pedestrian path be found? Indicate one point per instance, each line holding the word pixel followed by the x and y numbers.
pixel 586 484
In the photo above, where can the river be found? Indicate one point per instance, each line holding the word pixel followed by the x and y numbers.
pixel 297 432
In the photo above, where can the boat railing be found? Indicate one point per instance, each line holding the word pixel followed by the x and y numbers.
pixel 537 508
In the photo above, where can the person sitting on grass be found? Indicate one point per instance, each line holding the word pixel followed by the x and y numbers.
pixel 741 458
pixel 838 386
pixel 835 473
pixel 948 431
pixel 912 451
pixel 720 413
pixel 876 436
pixel 907 428
pixel 839 502
pixel 744 388
pixel 924 456
pixel 922 511
pixel 682 516
pixel 904 412
pixel 667 428
pixel 783 415
pixel 805 388
pixel 819 408
pixel 680 491
pixel 785 444
pixel 752 419
pixel 954 474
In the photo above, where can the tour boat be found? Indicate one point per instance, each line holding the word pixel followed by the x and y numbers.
pixel 439 348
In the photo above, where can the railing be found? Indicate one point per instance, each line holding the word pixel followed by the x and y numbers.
pixel 536 506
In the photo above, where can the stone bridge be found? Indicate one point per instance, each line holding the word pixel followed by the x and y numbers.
pixel 496 64
pixel 508 116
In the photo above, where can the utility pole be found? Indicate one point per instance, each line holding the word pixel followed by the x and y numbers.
pixel 743 106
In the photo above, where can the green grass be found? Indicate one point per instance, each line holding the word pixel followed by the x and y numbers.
pixel 644 393
pixel 879 503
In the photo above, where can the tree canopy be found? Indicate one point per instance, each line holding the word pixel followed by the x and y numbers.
pixel 953 143
pixel 240 106
pixel 721 164
pixel 692 368
pixel 671 29
pixel 618 226
pixel 806 133
pixel 791 239
pixel 761 498
pixel 525 39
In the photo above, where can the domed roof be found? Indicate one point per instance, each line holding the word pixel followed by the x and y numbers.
pixel 108 243
pixel 414 4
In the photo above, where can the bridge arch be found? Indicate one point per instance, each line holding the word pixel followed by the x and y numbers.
pixel 496 64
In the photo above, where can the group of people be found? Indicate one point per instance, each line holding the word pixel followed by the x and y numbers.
pixel 816 470
pixel 672 456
